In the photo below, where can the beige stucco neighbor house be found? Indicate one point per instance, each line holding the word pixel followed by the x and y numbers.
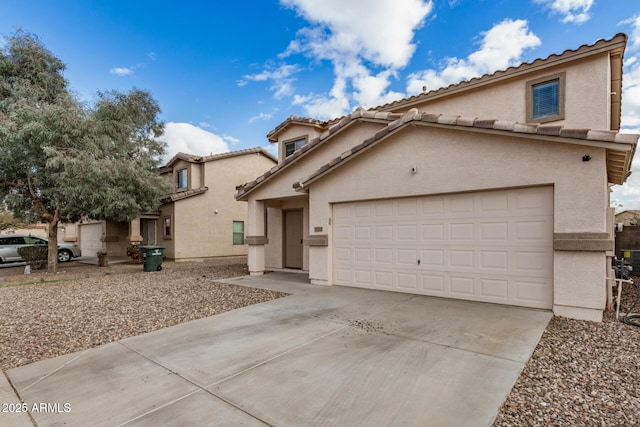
pixel 200 220
pixel 494 189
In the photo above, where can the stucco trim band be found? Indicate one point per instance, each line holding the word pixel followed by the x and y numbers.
pixel 256 240
pixel 582 242
pixel 317 240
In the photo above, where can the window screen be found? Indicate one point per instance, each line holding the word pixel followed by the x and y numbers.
pixel 546 99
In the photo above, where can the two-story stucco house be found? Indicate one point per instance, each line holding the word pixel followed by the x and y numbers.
pixel 200 219
pixel 494 189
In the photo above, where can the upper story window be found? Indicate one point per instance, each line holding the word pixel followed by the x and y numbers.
pixel 545 99
pixel 181 179
pixel 291 146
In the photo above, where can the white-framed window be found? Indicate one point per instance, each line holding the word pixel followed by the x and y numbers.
pixel 545 99
pixel 291 146
pixel 181 179
pixel 238 232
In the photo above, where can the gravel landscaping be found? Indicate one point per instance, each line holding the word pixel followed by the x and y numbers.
pixel 581 373
pixel 84 306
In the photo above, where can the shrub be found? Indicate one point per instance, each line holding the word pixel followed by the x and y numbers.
pixel 34 255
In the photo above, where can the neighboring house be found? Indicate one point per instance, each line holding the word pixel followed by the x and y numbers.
pixel 67 232
pixel 627 236
pixel 494 189
pixel 201 219
pixel 630 217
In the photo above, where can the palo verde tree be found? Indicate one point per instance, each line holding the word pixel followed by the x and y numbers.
pixel 61 160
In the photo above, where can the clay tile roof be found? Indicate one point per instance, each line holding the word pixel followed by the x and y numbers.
pixel 618 41
pixel 273 135
pixel 620 147
pixel 335 128
pixel 183 194
pixel 192 158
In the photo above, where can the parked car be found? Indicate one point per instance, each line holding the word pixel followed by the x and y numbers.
pixel 9 244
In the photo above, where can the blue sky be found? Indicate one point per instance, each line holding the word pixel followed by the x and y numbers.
pixel 226 73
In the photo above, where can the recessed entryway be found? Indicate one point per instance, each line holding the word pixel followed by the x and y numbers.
pixel 293 235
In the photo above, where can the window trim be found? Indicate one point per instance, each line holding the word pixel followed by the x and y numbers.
pixel 299 139
pixel 561 78
pixel 233 233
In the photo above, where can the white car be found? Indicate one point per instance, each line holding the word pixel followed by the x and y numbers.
pixel 9 244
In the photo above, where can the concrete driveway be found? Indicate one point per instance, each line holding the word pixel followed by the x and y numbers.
pixel 324 356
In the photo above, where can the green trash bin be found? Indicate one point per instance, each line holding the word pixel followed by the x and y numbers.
pixel 152 257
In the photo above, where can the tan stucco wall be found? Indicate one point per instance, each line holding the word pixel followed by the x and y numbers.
pixel 116 238
pixel 295 131
pixel 453 161
pixel 199 231
pixel 587 98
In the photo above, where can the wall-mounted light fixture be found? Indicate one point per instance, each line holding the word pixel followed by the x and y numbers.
pixel 586 158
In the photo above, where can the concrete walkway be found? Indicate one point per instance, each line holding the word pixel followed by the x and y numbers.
pixel 324 356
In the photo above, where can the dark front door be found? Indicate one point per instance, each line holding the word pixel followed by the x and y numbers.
pixel 293 239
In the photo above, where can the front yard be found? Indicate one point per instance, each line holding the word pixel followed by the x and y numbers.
pixel 84 306
pixel 581 373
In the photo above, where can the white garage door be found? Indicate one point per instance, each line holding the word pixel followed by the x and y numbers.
pixel 90 239
pixel 492 246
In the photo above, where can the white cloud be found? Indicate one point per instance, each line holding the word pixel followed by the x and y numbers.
pixel 365 43
pixel 574 11
pixel 152 56
pixel 260 116
pixel 272 149
pixel 282 77
pixel 121 71
pixel 232 140
pixel 379 31
pixel 187 138
pixel 501 47
pixel 628 195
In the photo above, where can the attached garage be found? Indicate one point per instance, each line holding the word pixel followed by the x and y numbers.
pixel 491 246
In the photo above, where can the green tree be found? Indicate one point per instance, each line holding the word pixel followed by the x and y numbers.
pixel 7 220
pixel 61 160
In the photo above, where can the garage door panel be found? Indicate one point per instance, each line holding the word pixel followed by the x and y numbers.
pixel 433 207
pixel 383 256
pixel 408 281
pixel 494 246
pixel 494 289
pixel 408 207
pixel 460 259
pixel 383 279
pixel 532 262
pixel 461 231
pixel 494 260
pixel 433 258
pixel 362 277
pixel 461 286
pixel 532 292
pixel 433 232
pixel 433 284
pixel 495 231
pixel 407 232
pixel 363 255
pixel 384 232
